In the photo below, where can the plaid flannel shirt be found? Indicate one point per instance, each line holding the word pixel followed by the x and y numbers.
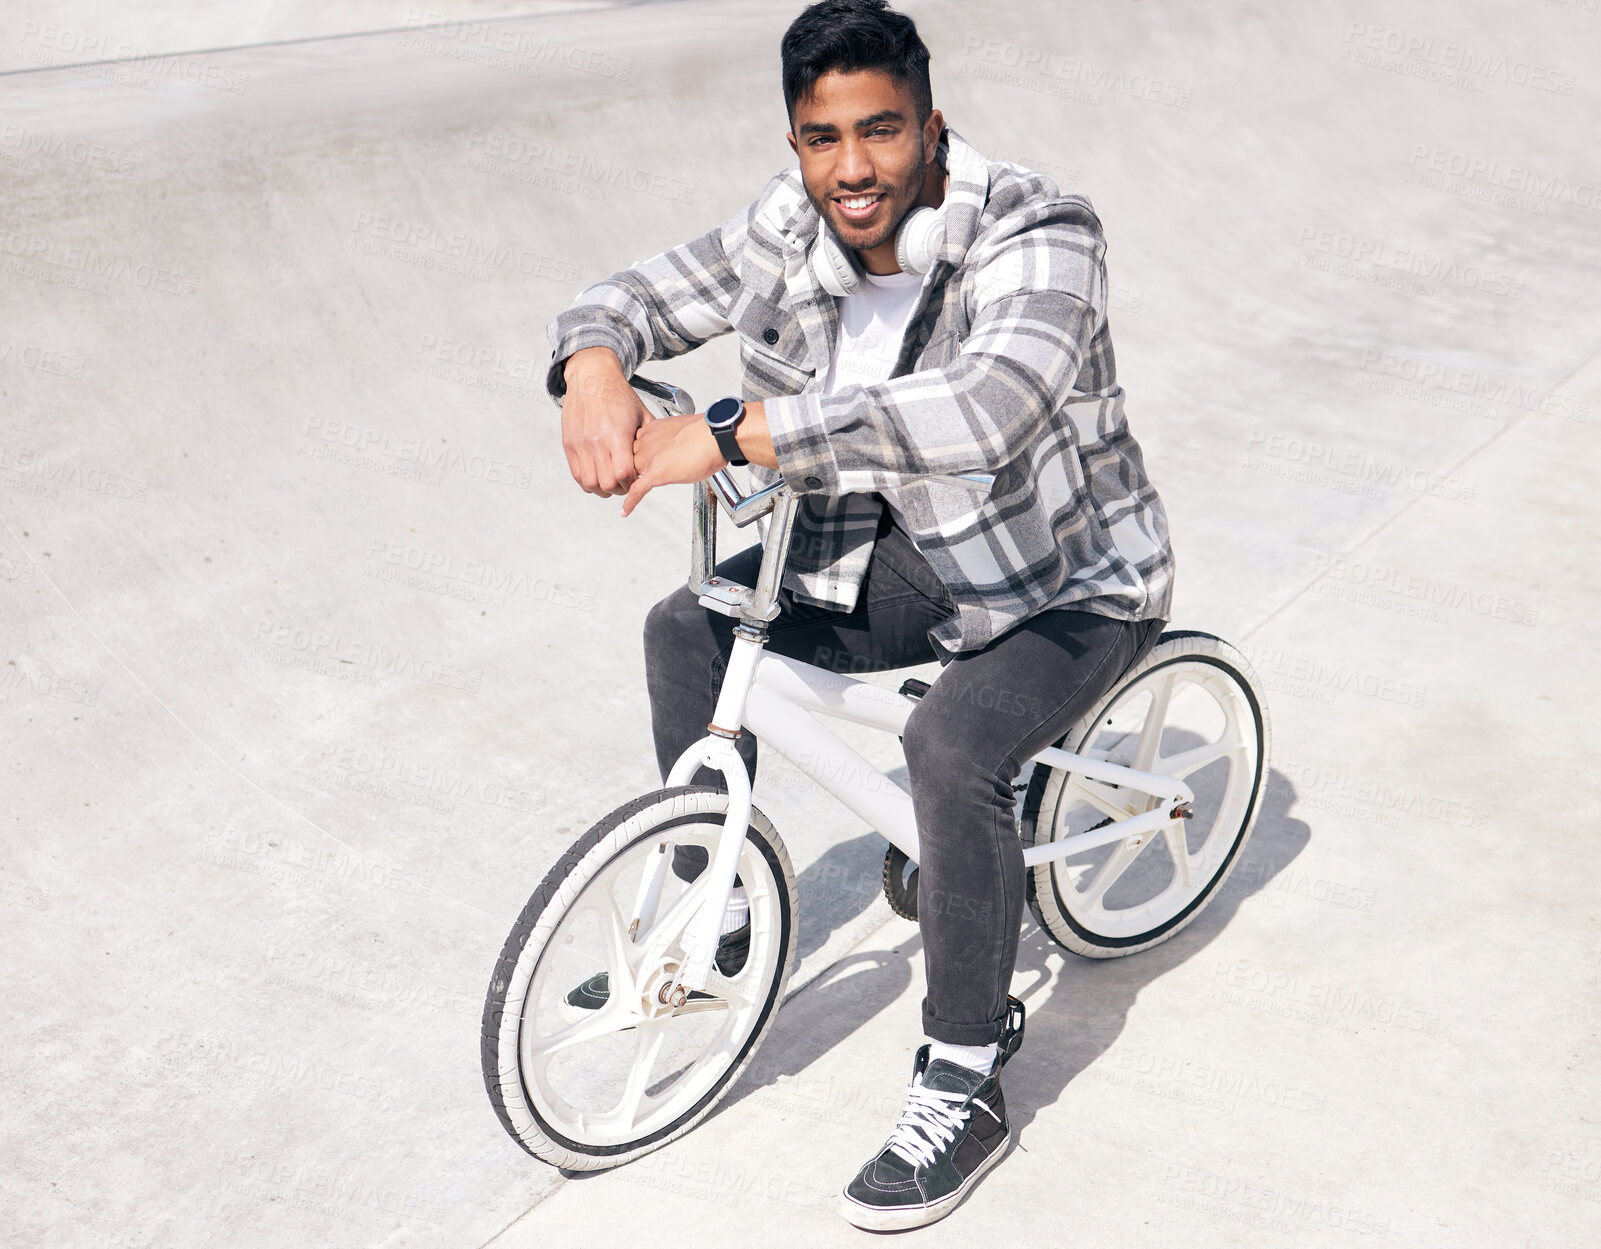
pixel 1006 368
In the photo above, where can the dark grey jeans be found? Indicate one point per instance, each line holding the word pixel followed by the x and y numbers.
pixel 966 741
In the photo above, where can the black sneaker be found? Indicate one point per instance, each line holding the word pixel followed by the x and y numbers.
pixel 733 948
pixel 952 1131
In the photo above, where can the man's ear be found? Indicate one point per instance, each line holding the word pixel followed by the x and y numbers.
pixel 792 147
pixel 932 129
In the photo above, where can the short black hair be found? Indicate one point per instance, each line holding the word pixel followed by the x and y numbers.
pixel 851 35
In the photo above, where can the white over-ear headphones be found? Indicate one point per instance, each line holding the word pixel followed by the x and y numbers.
pixel 917 245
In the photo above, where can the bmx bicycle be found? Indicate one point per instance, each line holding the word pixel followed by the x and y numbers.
pixel 1130 823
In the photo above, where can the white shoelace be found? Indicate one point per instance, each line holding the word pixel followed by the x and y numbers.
pixel 931 1119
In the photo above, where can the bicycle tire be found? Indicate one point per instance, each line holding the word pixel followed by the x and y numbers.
pixel 528 1113
pixel 1052 896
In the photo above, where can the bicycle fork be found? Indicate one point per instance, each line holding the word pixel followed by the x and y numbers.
pixel 716 750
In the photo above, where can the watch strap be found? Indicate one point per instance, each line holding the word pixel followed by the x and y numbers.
pixel 729 446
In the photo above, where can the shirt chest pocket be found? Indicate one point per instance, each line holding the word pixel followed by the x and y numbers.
pixel 770 336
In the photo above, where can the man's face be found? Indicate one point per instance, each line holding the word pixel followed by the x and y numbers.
pixel 863 157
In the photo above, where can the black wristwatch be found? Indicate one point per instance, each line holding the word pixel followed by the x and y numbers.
pixel 723 417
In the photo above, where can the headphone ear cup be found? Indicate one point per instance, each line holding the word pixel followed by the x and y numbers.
pixel 834 268
pixel 919 240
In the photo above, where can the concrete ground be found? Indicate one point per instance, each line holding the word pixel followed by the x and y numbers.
pixel 293 726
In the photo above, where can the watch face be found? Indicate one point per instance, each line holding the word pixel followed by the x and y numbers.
pixel 724 411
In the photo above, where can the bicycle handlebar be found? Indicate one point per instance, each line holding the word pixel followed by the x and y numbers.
pixel 758 604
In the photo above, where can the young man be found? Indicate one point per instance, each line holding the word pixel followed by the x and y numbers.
pixel 980 345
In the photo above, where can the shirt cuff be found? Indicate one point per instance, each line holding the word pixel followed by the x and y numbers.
pixel 594 334
pixel 800 445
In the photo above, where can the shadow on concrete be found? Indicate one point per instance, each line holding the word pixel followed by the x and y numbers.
pixel 835 888
pixel 1077 1009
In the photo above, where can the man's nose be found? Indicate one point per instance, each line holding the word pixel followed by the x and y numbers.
pixel 854 168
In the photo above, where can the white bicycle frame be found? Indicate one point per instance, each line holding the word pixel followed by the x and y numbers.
pixel 779 699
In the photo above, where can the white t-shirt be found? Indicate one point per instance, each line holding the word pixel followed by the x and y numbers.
pixel 872 323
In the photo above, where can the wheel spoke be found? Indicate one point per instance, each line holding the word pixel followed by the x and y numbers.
pixel 624 1115
pixel 1110 872
pixel 1187 761
pixel 610 1018
pixel 670 927
pixel 1173 835
pixel 1105 799
pixel 621 952
pixel 1155 718
pixel 735 999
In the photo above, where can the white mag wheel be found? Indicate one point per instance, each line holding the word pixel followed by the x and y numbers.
pixel 587 1087
pixel 1191 709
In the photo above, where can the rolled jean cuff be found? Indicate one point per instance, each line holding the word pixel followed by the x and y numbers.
pixel 961 1033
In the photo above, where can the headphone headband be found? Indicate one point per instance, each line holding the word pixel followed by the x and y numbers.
pixel 918 241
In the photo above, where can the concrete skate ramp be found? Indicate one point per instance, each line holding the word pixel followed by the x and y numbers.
pixel 315 659
pixel 170 40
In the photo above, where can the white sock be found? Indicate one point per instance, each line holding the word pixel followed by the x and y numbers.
pixel 974 1057
pixel 737 912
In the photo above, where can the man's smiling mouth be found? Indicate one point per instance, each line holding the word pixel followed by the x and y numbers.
pixel 858 207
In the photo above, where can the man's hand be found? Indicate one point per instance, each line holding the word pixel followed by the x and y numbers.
pixel 672 450
pixel 599 417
